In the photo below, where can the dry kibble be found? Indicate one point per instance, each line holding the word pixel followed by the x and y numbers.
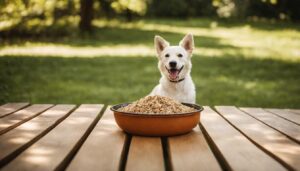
pixel 156 105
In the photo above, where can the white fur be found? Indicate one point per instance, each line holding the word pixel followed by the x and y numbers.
pixel 183 91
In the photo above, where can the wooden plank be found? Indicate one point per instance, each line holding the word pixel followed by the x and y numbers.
pixel 278 145
pixel 297 111
pixel 103 147
pixel 56 148
pixel 284 126
pixel 233 149
pixel 9 108
pixel 145 153
pixel 12 121
pixel 16 140
pixel 191 152
pixel 293 117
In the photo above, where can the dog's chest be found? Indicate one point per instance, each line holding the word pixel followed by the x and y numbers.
pixel 183 92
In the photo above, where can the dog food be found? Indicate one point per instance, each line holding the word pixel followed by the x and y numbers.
pixel 156 105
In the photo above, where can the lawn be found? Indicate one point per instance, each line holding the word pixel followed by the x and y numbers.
pixel 235 63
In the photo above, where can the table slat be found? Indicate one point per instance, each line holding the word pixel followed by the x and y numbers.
pixel 288 128
pixel 284 149
pixel 17 139
pixel 297 111
pixel 237 151
pixel 103 147
pixel 191 152
pixel 145 153
pixel 50 152
pixel 9 108
pixel 293 117
pixel 21 116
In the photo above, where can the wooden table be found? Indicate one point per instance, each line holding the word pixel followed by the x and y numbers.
pixel 86 137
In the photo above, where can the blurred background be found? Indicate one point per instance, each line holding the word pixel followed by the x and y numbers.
pixel 101 51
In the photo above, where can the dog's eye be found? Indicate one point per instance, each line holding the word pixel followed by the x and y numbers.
pixel 167 55
pixel 179 55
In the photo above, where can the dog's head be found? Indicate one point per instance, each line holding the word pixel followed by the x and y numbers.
pixel 174 61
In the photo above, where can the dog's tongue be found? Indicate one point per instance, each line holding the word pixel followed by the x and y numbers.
pixel 173 74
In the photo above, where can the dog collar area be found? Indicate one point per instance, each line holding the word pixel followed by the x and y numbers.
pixel 177 81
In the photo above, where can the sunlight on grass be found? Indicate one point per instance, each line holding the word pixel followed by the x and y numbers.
pixel 250 42
pixel 215 40
pixel 223 80
pixel 123 50
pixel 69 51
pixel 57 50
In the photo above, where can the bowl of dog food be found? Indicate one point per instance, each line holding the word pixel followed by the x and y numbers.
pixel 157 116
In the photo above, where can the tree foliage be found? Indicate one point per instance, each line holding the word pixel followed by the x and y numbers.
pixel 35 16
pixel 275 9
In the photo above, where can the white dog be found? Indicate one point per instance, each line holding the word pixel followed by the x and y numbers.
pixel 175 67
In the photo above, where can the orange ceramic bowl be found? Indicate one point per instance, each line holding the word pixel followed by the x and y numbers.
pixel 157 124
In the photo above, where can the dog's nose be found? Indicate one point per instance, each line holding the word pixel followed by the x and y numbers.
pixel 173 64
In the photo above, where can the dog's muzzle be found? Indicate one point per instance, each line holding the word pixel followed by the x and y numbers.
pixel 174 73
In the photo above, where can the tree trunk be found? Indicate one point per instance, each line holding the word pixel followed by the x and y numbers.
pixel 86 15
pixel 106 8
pixel 128 15
pixel 241 8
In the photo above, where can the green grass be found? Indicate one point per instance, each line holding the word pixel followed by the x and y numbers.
pixel 242 64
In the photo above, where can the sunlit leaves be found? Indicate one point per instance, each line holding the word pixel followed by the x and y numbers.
pixel 137 6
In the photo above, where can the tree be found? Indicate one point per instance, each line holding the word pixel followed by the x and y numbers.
pixel 241 7
pixel 106 8
pixel 130 7
pixel 86 15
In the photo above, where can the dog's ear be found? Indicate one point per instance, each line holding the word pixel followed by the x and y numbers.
pixel 160 44
pixel 188 43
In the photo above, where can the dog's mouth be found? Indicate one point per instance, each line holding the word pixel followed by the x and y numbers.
pixel 174 73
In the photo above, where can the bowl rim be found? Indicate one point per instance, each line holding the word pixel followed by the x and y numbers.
pixel 198 108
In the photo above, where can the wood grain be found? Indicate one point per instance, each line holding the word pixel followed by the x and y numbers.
pixel 145 153
pixel 51 150
pixel 284 126
pixel 19 138
pixel 297 111
pixel 191 152
pixel 21 116
pixel 103 147
pixel 9 108
pixel 278 145
pixel 237 152
pixel 293 117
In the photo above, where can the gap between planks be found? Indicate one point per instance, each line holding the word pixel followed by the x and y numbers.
pixel 296 111
pixel 290 116
pixel 10 108
pixel 17 140
pixel 277 145
pixel 64 164
pixel 145 153
pixel 11 121
pixel 54 150
pixel 289 129
pixel 106 139
pixel 192 152
pixel 124 153
pixel 235 151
